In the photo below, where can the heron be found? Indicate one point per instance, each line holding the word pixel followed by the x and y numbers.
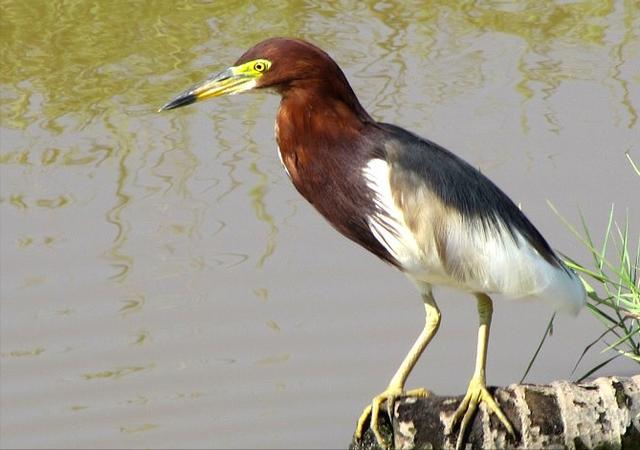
pixel 409 201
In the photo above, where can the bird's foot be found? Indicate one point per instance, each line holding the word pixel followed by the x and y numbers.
pixel 476 393
pixel 389 395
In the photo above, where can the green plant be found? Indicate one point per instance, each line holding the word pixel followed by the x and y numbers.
pixel 613 288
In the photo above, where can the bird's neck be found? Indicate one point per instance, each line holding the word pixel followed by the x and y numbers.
pixel 316 129
pixel 325 142
pixel 311 112
pixel 327 93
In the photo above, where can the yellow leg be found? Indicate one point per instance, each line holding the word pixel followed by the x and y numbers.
pixel 396 385
pixel 477 391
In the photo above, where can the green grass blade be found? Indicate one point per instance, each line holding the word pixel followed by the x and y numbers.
pixel 621 340
pixel 547 332
pixel 633 164
pixel 588 347
pixel 596 368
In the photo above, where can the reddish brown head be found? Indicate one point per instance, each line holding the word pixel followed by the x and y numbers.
pixel 293 62
pixel 282 64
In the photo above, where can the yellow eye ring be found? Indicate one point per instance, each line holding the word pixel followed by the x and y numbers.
pixel 259 67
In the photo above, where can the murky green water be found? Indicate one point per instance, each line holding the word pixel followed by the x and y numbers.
pixel 162 283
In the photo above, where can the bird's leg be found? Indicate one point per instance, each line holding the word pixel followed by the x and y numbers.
pixel 477 391
pixel 396 385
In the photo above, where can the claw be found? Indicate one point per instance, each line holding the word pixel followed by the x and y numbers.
pixel 389 397
pixel 476 394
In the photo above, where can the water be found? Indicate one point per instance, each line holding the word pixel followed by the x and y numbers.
pixel 163 285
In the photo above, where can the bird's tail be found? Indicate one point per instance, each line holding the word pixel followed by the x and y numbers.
pixel 565 291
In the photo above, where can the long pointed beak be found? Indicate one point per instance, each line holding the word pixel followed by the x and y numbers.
pixel 230 81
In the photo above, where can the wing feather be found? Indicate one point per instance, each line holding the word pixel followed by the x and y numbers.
pixel 446 223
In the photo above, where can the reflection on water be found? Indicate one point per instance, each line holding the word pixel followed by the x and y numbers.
pixel 120 261
pixel 162 283
pixel 115 373
pixel 258 202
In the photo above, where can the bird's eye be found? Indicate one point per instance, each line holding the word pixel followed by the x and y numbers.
pixel 259 67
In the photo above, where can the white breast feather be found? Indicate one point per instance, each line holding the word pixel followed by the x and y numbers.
pixel 283 164
pixel 276 129
pixel 389 227
pixel 497 263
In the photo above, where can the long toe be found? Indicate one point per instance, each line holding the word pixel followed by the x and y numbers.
pixel 370 413
pixel 476 393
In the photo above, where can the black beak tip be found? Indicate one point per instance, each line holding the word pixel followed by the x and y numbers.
pixel 181 100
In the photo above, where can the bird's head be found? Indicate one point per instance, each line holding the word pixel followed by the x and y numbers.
pixel 276 63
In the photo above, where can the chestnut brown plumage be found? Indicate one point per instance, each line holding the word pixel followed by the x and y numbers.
pixel 406 199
